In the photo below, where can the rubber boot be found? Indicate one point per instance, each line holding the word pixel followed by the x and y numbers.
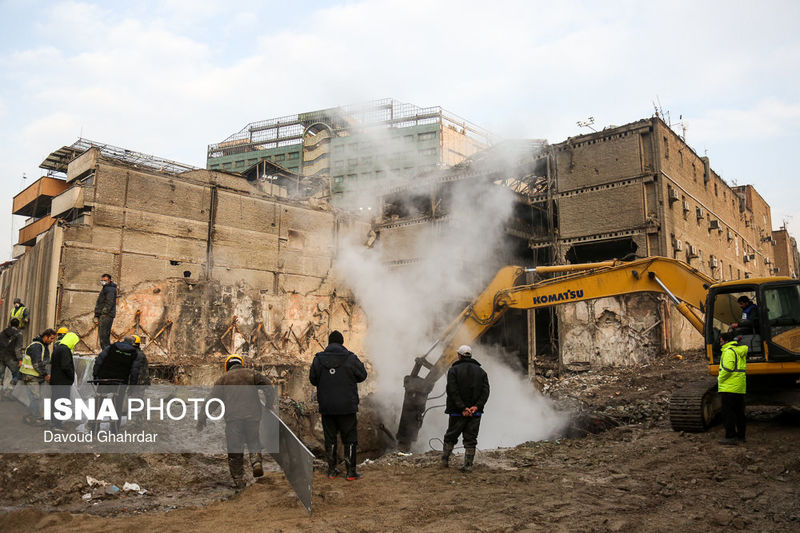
pixel 469 459
pixel 333 458
pixel 255 462
pixel 446 451
pixel 350 461
pixel 236 466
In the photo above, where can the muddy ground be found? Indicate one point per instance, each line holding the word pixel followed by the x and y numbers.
pixel 637 476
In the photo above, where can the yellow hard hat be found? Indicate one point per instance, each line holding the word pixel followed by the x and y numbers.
pixel 233 359
pixel 62 331
pixel 137 339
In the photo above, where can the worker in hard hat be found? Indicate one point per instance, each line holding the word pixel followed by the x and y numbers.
pixel 243 412
pixel 120 361
pixel 144 373
pixel 62 372
pixel 61 332
pixel 467 393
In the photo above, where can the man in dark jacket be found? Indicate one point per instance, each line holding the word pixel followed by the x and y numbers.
pixel 336 373
pixel 120 361
pixel 118 366
pixel 62 371
pixel 105 310
pixel 33 369
pixel 467 393
pixel 10 353
pixel 243 411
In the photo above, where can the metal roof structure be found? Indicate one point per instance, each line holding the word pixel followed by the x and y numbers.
pixel 58 160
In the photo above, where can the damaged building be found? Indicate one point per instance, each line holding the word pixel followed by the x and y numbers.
pixel 640 190
pixel 239 257
pixel 636 190
pixel 358 149
pixel 207 263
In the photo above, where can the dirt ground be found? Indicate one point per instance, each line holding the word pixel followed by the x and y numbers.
pixel 639 475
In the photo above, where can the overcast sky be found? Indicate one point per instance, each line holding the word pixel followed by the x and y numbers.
pixel 170 77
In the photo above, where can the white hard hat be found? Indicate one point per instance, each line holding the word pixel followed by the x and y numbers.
pixel 464 350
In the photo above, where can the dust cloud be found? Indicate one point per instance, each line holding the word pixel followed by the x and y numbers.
pixel 408 306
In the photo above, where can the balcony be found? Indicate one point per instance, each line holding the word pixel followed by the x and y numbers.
pixel 65 202
pixel 28 234
pixel 35 200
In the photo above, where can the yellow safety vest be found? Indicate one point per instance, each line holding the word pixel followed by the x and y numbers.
pixel 27 365
pixel 19 314
pixel 732 369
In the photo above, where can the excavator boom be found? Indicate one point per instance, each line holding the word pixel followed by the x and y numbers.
pixel 685 286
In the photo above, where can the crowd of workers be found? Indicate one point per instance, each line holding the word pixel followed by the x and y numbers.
pixel 47 361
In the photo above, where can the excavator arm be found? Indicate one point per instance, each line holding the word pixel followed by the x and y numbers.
pixel 685 286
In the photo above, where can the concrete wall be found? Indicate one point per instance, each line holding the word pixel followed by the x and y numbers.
pixel 620 331
pixel 33 279
pixel 785 254
pixel 206 263
pixel 456 146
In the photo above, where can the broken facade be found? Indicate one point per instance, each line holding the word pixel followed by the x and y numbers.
pixel 210 262
pixel 207 264
pixel 632 191
pixel 640 190
pixel 357 148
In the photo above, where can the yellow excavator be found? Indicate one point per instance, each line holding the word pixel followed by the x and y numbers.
pixel 771 329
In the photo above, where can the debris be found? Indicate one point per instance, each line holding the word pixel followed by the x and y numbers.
pixel 133 487
pixel 402 454
pixel 678 356
pixel 87 496
pixel 92 482
pixel 112 490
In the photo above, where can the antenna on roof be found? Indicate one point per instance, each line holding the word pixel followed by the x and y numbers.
pixel 587 123
pixel 665 116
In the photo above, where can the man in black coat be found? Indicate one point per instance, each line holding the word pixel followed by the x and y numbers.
pixel 336 373
pixel 10 354
pixel 121 362
pixel 467 393
pixel 118 365
pixel 62 371
pixel 105 310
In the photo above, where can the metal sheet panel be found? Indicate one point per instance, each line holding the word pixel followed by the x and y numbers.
pixel 297 463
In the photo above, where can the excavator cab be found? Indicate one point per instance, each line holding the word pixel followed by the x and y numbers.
pixel 727 314
pixel 770 330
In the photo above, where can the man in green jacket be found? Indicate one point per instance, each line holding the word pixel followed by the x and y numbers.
pixel 732 386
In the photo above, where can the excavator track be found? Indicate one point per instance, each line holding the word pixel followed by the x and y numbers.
pixel 693 407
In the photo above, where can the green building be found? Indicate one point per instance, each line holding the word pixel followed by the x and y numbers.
pixel 354 148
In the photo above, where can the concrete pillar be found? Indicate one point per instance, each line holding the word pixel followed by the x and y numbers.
pixel 531 344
